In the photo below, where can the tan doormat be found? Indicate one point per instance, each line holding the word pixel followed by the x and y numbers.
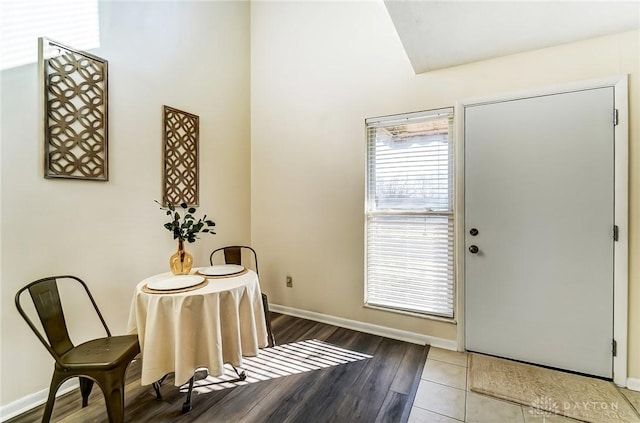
pixel 549 392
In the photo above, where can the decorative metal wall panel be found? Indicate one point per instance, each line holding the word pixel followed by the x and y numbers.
pixel 180 177
pixel 75 107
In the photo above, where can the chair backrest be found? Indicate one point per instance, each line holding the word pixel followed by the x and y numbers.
pixel 233 255
pixel 46 300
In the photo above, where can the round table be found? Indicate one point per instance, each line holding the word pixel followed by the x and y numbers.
pixel 203 328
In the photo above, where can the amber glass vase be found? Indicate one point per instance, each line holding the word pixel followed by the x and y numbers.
pixel 181 261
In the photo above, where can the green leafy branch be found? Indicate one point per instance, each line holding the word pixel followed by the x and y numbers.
pixel 186 227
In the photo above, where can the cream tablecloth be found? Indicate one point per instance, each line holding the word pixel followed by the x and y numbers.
pixel 207 327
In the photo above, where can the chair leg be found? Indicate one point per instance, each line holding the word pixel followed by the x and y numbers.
pixel 56 381
pixel 114 397
pixel 271 340
pixel 85 389
pixel 112 385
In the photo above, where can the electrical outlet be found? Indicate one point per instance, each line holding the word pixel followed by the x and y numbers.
pixel 289 282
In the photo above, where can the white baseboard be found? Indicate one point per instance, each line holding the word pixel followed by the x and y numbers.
pixel 31 401
pixel 633 384
pixel 414 338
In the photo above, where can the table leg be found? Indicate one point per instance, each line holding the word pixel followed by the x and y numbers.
pixel 156 387
pixel 242 375
pixel 187 403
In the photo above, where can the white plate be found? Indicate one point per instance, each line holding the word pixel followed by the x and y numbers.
pixel 175 282
pixel 221 270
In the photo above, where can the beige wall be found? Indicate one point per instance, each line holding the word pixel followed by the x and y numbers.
pixel 193 56
pixel 317 71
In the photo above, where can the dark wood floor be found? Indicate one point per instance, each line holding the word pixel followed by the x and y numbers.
pixel 380 389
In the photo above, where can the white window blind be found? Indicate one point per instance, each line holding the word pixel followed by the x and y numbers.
pixel 71 22
pixel 409 213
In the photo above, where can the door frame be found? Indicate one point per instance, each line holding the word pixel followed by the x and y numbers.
pixel 621 207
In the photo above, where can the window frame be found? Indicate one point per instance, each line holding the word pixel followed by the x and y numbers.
pixel 450 214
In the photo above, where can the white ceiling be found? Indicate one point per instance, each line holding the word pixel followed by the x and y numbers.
pixel 441 34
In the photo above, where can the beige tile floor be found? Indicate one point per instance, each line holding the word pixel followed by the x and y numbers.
pixel 443 396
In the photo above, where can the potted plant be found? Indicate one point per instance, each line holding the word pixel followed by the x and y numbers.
pixel 185 227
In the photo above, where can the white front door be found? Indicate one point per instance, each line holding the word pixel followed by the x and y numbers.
pixel 539 191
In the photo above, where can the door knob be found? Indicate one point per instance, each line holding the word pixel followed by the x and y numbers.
pixel 473 249
pixel 473 232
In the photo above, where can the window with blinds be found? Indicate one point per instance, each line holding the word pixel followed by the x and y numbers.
pixel 74 23
pixel 409 213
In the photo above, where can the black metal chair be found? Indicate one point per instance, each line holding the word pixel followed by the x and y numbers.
pixel 233 255
pixel 103 360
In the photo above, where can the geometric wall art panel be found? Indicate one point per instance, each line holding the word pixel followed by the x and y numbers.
pixel 75 112
pixel 180 176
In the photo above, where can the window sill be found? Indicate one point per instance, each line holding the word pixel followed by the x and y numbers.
pixel 451 320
